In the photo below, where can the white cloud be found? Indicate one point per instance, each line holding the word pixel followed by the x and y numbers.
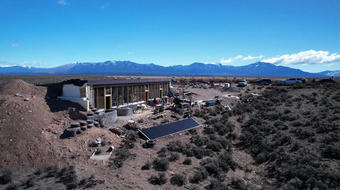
pixel 232 59
pixel 15 45
pixel 240 57
pixel 62 2
pixel 310 57
pixel 251 57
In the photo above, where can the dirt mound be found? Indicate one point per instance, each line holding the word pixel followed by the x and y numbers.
pixel 20 87
pixel 23 120
pixel 30 126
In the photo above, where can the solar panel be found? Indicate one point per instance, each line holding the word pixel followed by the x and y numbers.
pixel 169 128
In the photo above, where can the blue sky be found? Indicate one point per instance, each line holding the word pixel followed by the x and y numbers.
pixel 302 34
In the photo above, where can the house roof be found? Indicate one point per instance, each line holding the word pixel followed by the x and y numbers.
pixel 124 81
pixel 77 82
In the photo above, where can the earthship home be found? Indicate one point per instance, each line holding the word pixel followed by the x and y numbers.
pixel 114 93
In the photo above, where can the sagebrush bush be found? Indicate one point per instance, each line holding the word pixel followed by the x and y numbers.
pixel 173 157
pixel 68 177
pixel 178 179
pixel 216 185
pixel 331 151
pixel 160 164
pixel 89 182
pixel 199 175
pixel 146 166
pixel 239 184
pixel 5 176
pixel 158 180
pixel 199 140
pixel 121 155
pixel 214 146
pixel 187 161
pixel 162 152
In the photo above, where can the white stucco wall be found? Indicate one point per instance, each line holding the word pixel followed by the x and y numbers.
pixel 72 93
pixel 70 90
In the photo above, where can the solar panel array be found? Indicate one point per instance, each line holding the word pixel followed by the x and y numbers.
pixel 169 128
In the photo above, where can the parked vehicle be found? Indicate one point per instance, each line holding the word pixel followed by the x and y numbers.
pixel 242 83
pixel 292 81
pixel 263 81
pixel 327 81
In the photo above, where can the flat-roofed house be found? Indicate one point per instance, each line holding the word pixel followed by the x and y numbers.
pixel 113 93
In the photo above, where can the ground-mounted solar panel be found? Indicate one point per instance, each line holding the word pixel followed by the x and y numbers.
pixel 169 128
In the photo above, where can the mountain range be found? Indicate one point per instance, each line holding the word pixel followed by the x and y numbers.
pixel 258 69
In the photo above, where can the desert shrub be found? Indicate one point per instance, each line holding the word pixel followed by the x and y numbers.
pixel 89 182
pixel 306 113
pixel 238 184
pixel 194 187
pixel 216 185
pixel 38 172
pixel 208 130
pixel 175 146
pixel 93 144
pixel 129 141
pixel 261 157
pixel 178 179
pixel 146 166
pixel 295 147
pixel 28 183
pixel 12 187
pixel 332 152
pixel 131 136
pixel 214 146
pixel 173 157
pixel 302 133
pixel 50 171
pixel 287 111
pixel 329 138
pixel 187 161
pixel 5 176
pixel 297 124
pixel 162 152
pixel 199 140
pixel 225 161
pixel 226 144
pixel 68 177
pixel 160 164
pixel 241 108
pixel 200 174
pixel 240 119
pixel 192 132
pixel 120 156
pixel 158 180
pixel 212 167
pixel 188 151
pixel 198 152
pixel 197 113
pixel 212 112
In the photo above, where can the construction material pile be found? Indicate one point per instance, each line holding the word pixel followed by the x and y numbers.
pixel 95 118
